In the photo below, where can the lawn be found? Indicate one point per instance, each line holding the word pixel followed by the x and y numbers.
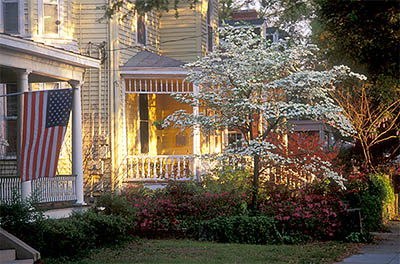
pixel 186 251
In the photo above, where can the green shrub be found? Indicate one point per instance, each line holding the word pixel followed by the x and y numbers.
pixel 17 214
pixel 227 179
pixel 239 229
pixel 371 193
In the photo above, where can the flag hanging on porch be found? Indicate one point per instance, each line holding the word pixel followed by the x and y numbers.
pixel 45 119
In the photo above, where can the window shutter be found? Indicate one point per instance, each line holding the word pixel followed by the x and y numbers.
pixel 141 30
pixel 10 14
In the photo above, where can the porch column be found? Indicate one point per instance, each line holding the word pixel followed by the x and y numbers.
pixel 77 163
pixel 22 86
pixel 196 139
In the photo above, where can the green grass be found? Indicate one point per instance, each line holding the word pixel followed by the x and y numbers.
pixel 186 251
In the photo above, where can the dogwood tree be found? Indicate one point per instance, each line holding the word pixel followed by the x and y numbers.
pixel 253 86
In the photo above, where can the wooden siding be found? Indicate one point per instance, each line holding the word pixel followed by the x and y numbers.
pixel 179 36
pixel 185 38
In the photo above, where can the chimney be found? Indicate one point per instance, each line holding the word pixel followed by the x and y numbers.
pixel 244 14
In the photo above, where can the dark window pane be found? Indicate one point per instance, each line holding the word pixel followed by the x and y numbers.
pixel 143 107
pixel 141 30
pixel 257 31
pixel 144 136
pixel 12 137
pixel 10 14
pixel 270 37
pixel 12 100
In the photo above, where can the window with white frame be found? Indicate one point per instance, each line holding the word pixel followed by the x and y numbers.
pixel 8 121
pixel 141 29
pixel 51 20
pixel 209 26
pixel 10 16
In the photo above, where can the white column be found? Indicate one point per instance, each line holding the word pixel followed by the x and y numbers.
pixel 22 86
pixel 196 139
pixel 77 163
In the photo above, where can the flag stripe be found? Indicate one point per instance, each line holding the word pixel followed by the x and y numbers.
pixel 34 132
pixel 26 130
pixel 39 136
pixel 44 154
pixel 49 151
pixel 61 133
pixel 43 138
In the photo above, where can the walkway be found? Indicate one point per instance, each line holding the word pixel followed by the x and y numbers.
pixel 386 251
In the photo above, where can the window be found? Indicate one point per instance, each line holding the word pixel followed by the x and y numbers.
pixel 10 17
pixel 209 27
pixel 50 17
pixel 235 138
pixel 141 29
pixel 8 131
pixel 144 123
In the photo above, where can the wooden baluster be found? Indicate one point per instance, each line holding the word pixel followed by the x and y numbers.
pixel 161 165
pixel 166 168
pixel 179 167
pixel 148 167
pixel 143 167
pixel 155 167
pixel 173 168
pixel 137 168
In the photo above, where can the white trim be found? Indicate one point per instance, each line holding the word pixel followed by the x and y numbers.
pixel 153 72
pixel 39 49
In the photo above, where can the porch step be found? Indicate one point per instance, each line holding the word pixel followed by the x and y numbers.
pixel 7 255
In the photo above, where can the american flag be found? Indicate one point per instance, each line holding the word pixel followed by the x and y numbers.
pixel 45 120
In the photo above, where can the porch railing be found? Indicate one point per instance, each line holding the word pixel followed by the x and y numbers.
pixel 57 189
pixel 160 167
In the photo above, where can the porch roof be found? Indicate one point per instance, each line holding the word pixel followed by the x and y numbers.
pixel 46 63
pixel 148 63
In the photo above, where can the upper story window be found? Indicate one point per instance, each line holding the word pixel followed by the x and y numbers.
pixel 209 26
pixel 11 16
pixel 51 20
pixel 141 29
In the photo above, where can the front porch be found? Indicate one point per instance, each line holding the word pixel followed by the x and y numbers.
pixel 153 153
pixel 29 66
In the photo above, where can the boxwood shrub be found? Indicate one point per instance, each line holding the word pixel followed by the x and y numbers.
pixel 239 229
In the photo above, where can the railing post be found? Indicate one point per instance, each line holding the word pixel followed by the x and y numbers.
pixel 77 163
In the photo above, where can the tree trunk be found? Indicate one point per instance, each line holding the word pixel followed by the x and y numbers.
pixel 255 183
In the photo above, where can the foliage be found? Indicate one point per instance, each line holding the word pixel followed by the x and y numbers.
pixel 254 86
pixel 68 238
pixel 16 214
pixel 304 216
pixel 372 124
pixel 365 35
pixel 172 210
pixel 371 193
pixel 227 179
pixel 363 32
pixel 356 237
pixel 239 229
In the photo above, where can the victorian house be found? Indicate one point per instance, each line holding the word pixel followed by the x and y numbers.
pixel 122 72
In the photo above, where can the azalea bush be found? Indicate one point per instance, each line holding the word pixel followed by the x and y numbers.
pixel 177 208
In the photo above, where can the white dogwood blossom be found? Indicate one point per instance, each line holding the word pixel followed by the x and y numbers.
pixel 253 86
